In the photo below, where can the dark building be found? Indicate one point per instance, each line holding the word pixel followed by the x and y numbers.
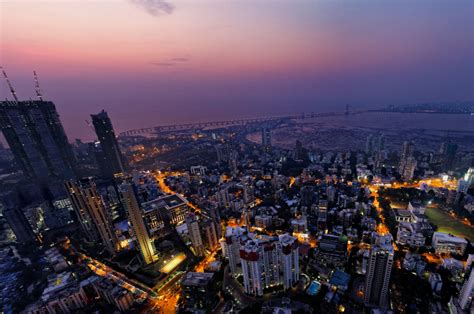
pixel 37 139
pixel 266 140
pixel 110 160
pixel 92 213
pixel 199 291
pixel 20 225
pixel 379 267
pixel 300 151
pixel 307 195
pixel 331 243
pixel 449 151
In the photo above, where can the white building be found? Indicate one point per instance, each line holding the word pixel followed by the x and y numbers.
pixel 268 262
pixel 252 267
pixel 448 243
pixel 289 260
pixel 231 246
pixel 467 292
pixel 409 234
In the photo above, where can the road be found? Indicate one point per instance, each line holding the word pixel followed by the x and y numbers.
pixel 102 270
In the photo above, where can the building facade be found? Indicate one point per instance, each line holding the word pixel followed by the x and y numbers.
pixel 145 244
pixel 19 225
pixel 37 139
pixel 92 213
pixel 195 234
pixel 113 161
pixel 379 268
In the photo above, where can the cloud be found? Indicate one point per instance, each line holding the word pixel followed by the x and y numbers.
pixel 155 7
pixel 163 64
pixel 180 59
pixel 170 62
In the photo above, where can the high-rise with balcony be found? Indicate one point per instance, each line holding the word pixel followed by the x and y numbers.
pixel 266 140
pixel 131 203
pixel 92 213
pixel 19 225
pixel 195 234
pixel 289 260
pixel 467 292
pixel 406 158
pixel 37 139
pixel 113 161
pixel 269 261
pixel 378 271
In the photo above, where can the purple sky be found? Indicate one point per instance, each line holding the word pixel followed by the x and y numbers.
pixel 151 62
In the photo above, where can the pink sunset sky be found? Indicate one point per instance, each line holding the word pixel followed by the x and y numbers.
pixel 151 62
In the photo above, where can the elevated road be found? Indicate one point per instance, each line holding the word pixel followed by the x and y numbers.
pixel 235 122
pixel 203 125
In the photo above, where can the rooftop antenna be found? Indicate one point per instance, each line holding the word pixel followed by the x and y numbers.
pixel 10 85
pixel 37 86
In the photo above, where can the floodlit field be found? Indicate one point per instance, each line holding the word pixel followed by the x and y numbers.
pixel 173 263
pixel 448 224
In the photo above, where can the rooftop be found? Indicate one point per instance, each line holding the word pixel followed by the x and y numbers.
pixel 340 278
pixel 448 237
pixel 164 202
pixel 286 239
pixel 197 279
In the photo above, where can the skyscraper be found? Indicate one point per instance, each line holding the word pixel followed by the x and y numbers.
pixel 369 144
pixel 252 267
pixel 407 153
pixel 289 260
pixel 113 161
pixel 378 271
pixel 467 292
pixel 140 231
pixel 231 246
pixel 208 230
pixel 20 225
pixel 37 139
pixel 448 151
pixel 92 213
pixel 195 234
pixel 465 182
pixel 409 168
pixel 269 262
pixel 266 139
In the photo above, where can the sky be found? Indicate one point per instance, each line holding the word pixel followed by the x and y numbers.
pixel 154 62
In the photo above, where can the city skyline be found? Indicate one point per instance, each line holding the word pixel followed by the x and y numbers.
pixel 180 61
pixel 239 156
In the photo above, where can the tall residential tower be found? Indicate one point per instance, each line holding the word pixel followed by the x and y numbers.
pixel 37 139
pixel 92 213
pixel 378 271
pixel 140 231
pixel 112 160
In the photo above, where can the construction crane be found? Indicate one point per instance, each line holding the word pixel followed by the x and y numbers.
pixel 10 85
pixel 37 87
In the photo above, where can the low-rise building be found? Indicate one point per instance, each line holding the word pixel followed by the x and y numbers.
pixel 448 243
pixel 115 295
pixel 199 291
pixel 64 294
pixel 410 234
